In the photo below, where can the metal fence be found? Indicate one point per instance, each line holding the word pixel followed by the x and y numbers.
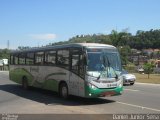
pixel 4 68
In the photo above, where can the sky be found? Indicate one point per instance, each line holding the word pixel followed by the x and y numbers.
pixel 40 22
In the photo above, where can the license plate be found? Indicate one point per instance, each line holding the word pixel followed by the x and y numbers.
pixel 109 93
pixel 111 85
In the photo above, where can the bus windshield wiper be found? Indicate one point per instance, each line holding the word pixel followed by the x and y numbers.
pixel 104 64
pixel 108 66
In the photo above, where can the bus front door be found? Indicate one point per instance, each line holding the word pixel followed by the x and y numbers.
pixel 73 82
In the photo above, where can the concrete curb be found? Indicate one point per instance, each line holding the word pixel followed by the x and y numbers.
pixel 4 71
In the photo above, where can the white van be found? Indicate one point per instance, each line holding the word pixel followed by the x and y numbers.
pixel 5 61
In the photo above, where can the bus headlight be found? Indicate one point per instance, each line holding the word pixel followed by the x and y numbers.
pixel 120 83
pixel 90 78
pixel 92 86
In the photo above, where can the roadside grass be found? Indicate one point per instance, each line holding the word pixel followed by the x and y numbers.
pixel 143 78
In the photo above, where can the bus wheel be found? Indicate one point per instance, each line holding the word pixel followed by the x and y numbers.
pixel 25 83
pixel 63 91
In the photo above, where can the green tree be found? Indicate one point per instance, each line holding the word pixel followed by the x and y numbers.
pixel 4 54
pixel 148 68
pixel 124 51
pixel 142 39
pixel 114 36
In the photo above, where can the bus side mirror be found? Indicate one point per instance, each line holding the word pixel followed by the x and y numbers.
pixel 116 77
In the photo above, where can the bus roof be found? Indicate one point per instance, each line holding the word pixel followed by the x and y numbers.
pixel 94 45
pixel 75 45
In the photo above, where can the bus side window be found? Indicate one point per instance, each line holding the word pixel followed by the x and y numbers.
pixel 16 59
pixel 81 66
pixel 75 63
pixel 11 59
pixel 50 57
pixel 63 58
pixel 30 58
pixel 21 59
pixel 39 57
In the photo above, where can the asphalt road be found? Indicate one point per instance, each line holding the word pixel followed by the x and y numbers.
pixel 139 98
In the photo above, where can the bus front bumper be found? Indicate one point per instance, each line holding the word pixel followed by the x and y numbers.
pixel 99 92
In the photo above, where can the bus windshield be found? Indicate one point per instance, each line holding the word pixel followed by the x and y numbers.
pixel 107 63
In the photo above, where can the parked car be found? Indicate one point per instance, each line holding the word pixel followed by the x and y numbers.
pixel 128 78
pixel 140 69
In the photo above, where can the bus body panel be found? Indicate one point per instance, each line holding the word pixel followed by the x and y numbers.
pixel 48 77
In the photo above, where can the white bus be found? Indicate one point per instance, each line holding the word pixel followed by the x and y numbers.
pixel 81 69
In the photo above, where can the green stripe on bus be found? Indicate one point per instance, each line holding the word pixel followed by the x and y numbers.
pixel 17 74
pixel 51 84
pixel 52 74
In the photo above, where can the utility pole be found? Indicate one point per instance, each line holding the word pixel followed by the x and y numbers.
pixel 8 44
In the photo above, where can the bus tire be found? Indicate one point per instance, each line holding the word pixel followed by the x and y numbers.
pixel 63 90
pixel 25 83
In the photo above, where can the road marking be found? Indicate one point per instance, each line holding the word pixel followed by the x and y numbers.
pixel 131 90
pixel 142 107
pixel 147 84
